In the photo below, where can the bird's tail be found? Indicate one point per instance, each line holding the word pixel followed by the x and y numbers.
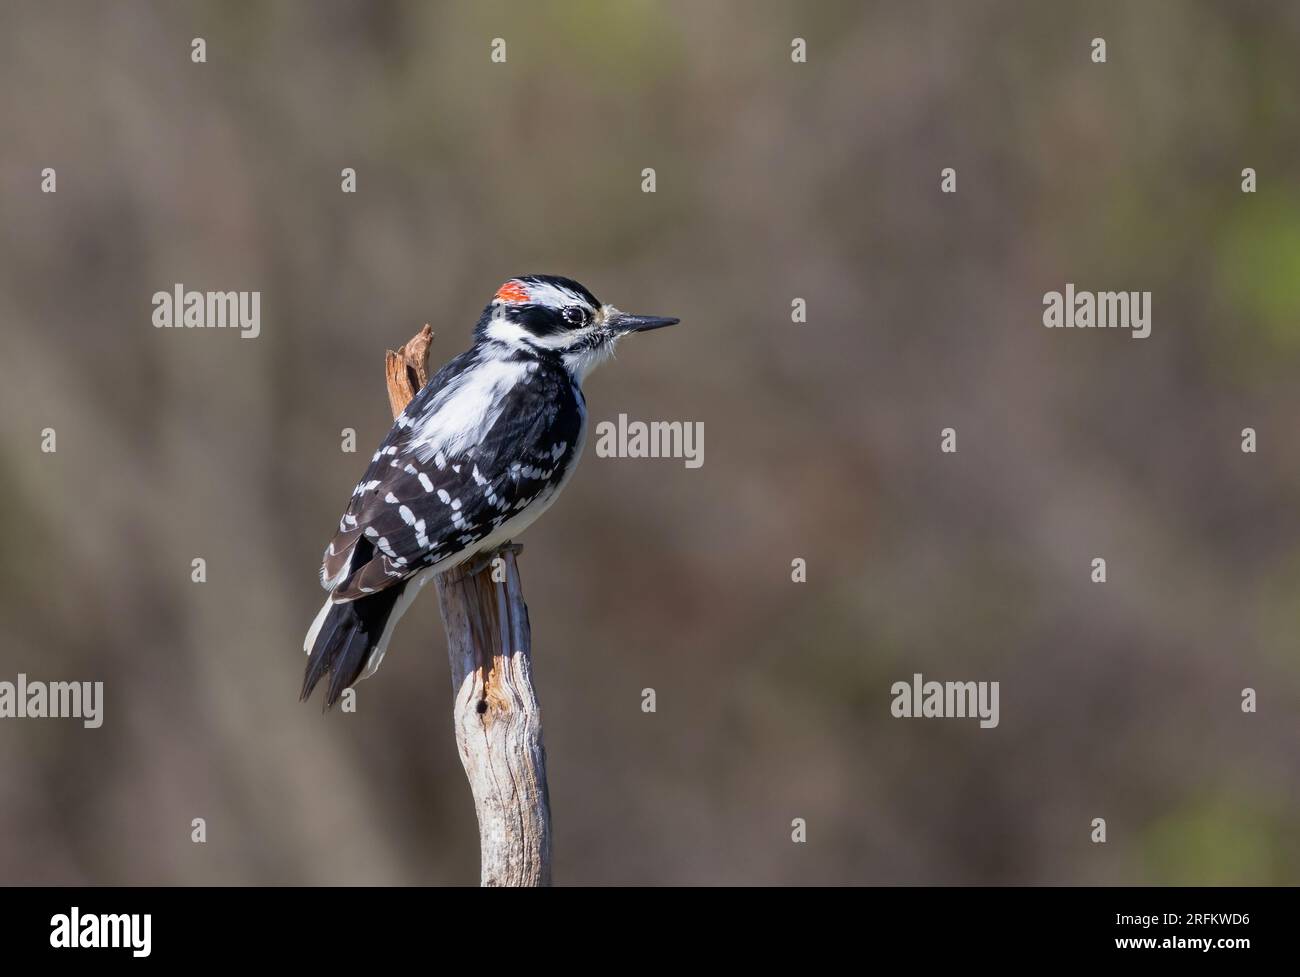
pixel 347 639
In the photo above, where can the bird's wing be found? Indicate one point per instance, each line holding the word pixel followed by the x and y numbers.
pixel 417 504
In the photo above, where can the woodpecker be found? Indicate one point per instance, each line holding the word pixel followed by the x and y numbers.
pixel 478 454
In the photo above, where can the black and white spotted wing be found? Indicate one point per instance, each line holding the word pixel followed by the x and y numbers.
pixel 428 495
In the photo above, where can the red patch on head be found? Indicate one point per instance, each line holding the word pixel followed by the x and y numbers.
pixel 512 292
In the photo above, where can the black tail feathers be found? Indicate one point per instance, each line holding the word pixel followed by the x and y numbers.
pixel 349 633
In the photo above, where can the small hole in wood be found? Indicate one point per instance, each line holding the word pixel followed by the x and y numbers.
pixel 482 706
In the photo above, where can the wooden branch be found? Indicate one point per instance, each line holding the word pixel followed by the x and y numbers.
pixel 496 716
pixel 407 370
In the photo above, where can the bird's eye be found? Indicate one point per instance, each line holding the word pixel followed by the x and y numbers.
pixel 575 315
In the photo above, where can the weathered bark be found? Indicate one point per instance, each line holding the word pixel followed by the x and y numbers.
pixel 496 716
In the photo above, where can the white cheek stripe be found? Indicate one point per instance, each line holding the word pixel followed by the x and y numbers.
pixel 513 334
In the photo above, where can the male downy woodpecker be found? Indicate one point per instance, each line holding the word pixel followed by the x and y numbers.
pixel 479 453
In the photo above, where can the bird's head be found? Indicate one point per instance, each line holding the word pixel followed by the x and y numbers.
pixel 548 314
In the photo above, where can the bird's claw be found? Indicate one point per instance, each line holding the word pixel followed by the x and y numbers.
pixel 484 560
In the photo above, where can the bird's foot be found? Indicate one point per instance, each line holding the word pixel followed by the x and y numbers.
pixel 484 560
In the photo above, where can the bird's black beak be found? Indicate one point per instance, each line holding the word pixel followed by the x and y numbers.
pixel 621 322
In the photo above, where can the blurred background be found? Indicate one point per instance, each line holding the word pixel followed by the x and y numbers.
pixel 775 180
